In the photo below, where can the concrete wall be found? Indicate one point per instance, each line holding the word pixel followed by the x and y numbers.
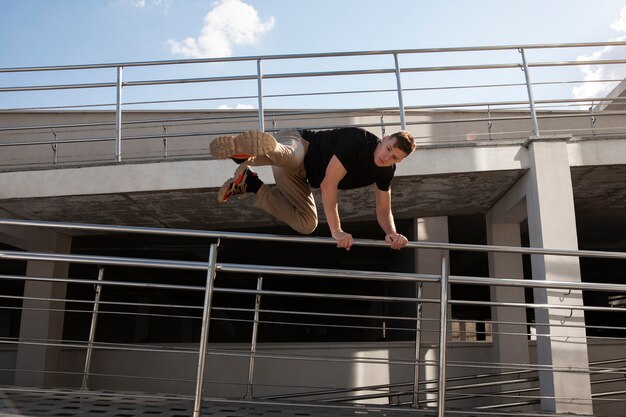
pixel 189 133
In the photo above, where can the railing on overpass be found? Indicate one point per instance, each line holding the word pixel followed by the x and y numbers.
pixel 371 86
pixel 489 384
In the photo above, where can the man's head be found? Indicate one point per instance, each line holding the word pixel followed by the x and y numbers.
pixel 393 149
pixel 404 141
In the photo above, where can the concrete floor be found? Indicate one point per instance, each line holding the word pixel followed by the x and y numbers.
pixel 17 402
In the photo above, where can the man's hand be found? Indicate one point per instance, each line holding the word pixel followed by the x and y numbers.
pixel 396 240
pixel 344 240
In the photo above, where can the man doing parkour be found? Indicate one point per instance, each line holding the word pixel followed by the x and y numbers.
pixel 332 160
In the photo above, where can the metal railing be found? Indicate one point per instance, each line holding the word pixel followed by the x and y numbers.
pixel 395 96
pixel 458 380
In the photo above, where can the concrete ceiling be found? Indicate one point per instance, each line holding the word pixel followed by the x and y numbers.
pixel 600 194
pixel 450 194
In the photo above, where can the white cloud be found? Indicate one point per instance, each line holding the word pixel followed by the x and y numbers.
pixel 239 106
pixel 589 88
pixel 148 4
pixel 620 24
pixel 229 23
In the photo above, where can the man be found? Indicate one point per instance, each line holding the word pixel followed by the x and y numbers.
pixel 331 160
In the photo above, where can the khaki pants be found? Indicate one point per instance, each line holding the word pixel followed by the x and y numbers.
pixel 291 199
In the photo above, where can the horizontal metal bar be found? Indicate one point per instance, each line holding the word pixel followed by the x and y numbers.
pixel 303 239
pixel 309 75
pixel 324 295
pixel 107 283
pixel 315 55
pixel 335 273
pixel 534 283
pixel 201 266
pixel 103 260
pixel 55 87
pixel 546 306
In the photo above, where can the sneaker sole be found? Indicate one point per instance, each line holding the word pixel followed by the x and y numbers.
pixel 245 145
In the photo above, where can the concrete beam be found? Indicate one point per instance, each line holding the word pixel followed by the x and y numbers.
pixel 122 178
pixel 552 224
pixel 471 157
pixel 41 325
pixel 511 208
pixel 428 261
pixel 597 151
pixel 510 340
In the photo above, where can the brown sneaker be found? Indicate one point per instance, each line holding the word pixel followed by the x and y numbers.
pixel 235 186
pixel 243 146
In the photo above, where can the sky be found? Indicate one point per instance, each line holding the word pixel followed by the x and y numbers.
pixel 64 32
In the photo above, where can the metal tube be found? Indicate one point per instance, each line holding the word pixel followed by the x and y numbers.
pixel 592 118
pixel 400 99
pixel 259 67
pixel 443 333
pixel 164 142
pixel 255 332
pixel 204 335
pixel 92 330
pixel 533 113
pixel 418 342
pixel 489 123
pixel 55 147
pixel 118 117
pixel 318 55
pixel 304 239
pixel 104 260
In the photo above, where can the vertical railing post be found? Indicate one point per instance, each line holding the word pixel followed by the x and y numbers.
pixel 204 334
pixel 443 334
pixel 400 98
pixel 533 113
pixel 418 343
pixel 489 123
pixel 592 118
pixel 259 68
pixel 55 154
pixel 92 330
pixel 164 142
pixel 255 332
pixel 118 117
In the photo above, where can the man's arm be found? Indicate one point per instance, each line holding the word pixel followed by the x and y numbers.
pixel 385 220
pixel 334 173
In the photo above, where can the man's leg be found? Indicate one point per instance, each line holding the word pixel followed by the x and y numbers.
pixel 290 200
pixel 287 153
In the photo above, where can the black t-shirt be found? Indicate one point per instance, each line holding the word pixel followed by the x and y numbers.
pixel 354 147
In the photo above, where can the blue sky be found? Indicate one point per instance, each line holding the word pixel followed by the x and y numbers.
pixel 61 32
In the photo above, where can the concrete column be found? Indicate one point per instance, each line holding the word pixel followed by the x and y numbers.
pixel 428 261
pixel 510 341
pixel 552 224
pixel 42 320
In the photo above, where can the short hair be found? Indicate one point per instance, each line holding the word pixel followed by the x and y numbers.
pixel 404 141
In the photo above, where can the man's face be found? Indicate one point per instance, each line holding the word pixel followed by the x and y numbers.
pixel 386 154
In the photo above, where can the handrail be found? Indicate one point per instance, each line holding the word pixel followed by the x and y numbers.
pixel 307 239
pixel 306 75
pixel 316 55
